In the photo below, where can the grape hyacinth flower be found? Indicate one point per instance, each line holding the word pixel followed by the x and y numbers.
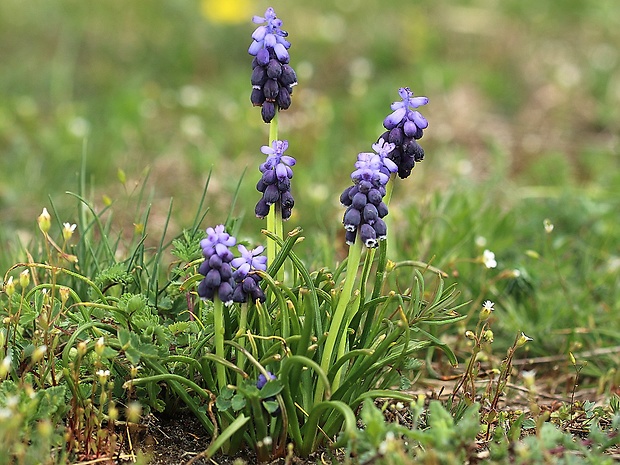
pixel 247 281
pixel 273 78
pixel 364 199
pixel 405 125
pixel 262 379
pixel 216 268
pixel 275 183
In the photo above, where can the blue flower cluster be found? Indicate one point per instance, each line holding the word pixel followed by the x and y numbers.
pixel 262 379
pixel 364 199
pixel 231 279
pixel 273 78
pixel 275 183
pixel 405 125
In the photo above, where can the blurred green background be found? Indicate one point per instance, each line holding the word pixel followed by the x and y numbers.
pixel 524 120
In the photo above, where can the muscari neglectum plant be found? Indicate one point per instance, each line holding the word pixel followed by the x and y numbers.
pixel 261 357
pixel 294 364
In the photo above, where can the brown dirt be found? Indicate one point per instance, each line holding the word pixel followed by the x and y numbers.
pixel 179 440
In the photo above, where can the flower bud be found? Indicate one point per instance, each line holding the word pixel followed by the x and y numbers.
pixel 39 353
pixel 113 413
pixel 64 294
pixel 9 287
pixel 24 278
pixel 470 335
pixel 45 429
pixel 100 346
pixel 529 378
pixel 488 336
pixel 82 348
pixel 134 411
pixel 44 221
pixel 5 366
pixel 134 371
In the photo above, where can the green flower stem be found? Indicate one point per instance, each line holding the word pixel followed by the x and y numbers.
pixel 274 217
pixel 334 330
pixel 243 320
pixel 218 329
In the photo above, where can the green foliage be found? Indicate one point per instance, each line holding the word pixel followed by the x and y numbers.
pixel 110 317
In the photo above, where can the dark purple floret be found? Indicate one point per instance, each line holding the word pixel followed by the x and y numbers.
pixel 275 182
pixel 272 76
pixel 405 125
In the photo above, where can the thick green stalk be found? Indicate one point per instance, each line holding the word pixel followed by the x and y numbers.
pixel 243 320
pixel 274 217
pixel 334 330
pixel 219 330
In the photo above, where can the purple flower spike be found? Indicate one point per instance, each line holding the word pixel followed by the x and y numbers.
pixel 405 125
pixel 364 200
pixel 216 269
pixel 262 379
pixel 230 279
pixel 275 182
pixel 272 77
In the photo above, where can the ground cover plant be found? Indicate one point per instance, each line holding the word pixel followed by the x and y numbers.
pixel 346 342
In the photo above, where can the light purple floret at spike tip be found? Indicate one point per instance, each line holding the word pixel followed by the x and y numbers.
pixel 364 200
pixel 273 78
pixel 404 126
pixel 406 108
pixel 275 182
pixel 270 35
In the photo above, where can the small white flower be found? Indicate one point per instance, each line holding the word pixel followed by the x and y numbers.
pixel 523 339
pixel 384 446
pixel 103 376
pixel 488 305
pixel 548 225
pixel 68 230
pixel 488 258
